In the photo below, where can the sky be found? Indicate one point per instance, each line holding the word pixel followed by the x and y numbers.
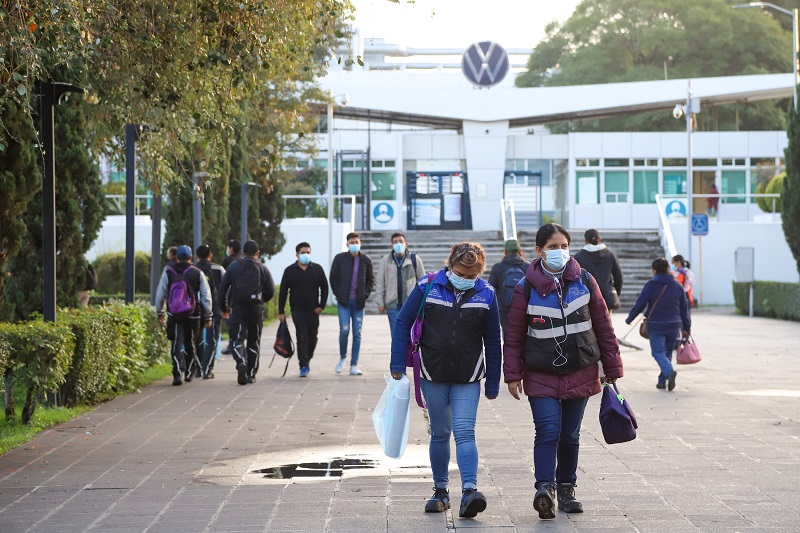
pixel 459 23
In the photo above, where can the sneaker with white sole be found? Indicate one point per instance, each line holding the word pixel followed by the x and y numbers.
pixel 354 371
pixel 340 365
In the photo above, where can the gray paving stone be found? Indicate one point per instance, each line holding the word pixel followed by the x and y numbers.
pixel 710 456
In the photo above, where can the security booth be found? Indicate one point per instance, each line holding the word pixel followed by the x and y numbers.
pixel 438 200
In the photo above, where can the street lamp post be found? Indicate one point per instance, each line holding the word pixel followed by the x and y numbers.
pixel 246 186
pixel 131 136
pixel 331 103
pixel 795 34
pixel 50 94
pixel 197 218
pixel 689 109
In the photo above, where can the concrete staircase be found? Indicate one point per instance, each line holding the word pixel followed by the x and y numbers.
pixel 635 249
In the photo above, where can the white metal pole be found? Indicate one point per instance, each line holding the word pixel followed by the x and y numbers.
pixel 689 180
pixel 330 181
pixel 795 49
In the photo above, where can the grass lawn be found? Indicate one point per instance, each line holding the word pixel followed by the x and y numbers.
pixel 15 433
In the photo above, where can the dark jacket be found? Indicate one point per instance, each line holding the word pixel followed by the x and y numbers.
pixel 581 383
pixel 214 274
pixel 498 274
pixel 671 309
pixel 228 285
pixel 455 336
pixel 342 274
pixel 603 265
pixel 231 259
pixel 307 289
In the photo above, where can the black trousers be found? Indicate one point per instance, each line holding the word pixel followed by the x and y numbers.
pixel 183 333
pixel 245 328
pixel 306 327
pixel 206 344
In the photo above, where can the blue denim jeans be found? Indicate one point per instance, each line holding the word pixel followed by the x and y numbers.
pixel 557 440
pixel 452 409
pixel 662 342
pixel 349 313
pixel 392 314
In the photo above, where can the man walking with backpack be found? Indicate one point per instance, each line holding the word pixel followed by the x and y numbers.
pixel 506 274
pixel 188 298
pixel 245 288
pixel 305 284
pixel 209 337
pixel 398 272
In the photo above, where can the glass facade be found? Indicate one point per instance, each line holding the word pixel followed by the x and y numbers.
pixel 645 187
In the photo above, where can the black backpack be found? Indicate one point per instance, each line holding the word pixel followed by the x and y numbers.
pixel 284 346
pixel 510 280
pixel 247 285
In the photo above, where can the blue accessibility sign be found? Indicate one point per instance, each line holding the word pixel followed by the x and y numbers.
pixel 699 224
pixel 383 212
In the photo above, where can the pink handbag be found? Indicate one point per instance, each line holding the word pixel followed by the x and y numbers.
pixel 688 353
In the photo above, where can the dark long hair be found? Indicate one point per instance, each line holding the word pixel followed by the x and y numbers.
pixel 679 258
pixel 547 231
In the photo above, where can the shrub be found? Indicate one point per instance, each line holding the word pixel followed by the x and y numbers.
pixel 770 299
pixel 110 270
pixel 775 186
pixel 41 355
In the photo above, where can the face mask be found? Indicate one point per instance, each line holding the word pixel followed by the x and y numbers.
pixel 399 248
pixel 354 248
pixel 305 259
pixel 673 267
pixel 460 283
pixel 556 259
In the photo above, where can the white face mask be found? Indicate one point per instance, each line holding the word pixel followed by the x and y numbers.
pixel 556 259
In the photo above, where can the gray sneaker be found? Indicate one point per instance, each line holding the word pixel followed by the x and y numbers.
pixel 340 365
pixel 354 371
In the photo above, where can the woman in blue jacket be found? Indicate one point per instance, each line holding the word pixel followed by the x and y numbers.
pixel 460 346
pixel 667 311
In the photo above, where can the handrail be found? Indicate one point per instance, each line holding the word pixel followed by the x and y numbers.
pixel 513 215
pixel 137 199
pixel 351 197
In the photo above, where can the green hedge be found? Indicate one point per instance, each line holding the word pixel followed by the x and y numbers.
pixel 110 269
pixel 40 357
pixel 770 299
pixel 90 355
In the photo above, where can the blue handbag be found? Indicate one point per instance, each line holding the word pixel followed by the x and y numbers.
pixel 616 416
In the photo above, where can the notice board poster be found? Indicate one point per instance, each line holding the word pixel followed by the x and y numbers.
pixel 427 211
pixel 452 207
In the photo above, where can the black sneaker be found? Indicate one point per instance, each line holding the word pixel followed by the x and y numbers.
pixel 661 386
pixel 210 375
pixel 176 380
pixel 671 380
pixel 251 379
pixel 543 501
pixel 188 376
pixel 439 502
pixel 241 368
pixel 472 503
pixel 566 499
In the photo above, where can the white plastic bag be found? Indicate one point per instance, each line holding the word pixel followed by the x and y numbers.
pixel 391 416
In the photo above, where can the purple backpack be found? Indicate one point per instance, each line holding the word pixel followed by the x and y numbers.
pixel 412 353
pixel 182 300
pixel 616 416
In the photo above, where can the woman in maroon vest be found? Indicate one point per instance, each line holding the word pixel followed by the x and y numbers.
pixel 558 329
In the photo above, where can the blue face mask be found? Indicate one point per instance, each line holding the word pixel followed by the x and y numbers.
pixel 305 259
pixel 354 248
pixel 673 267
pixel 399 248
pixel 460 283
pixel 556 259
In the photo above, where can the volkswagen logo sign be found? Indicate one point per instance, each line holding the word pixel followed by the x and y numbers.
pixel 485 64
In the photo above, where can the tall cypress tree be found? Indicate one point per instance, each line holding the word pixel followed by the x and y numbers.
pixel 20 180
pixel 790 212
pixel 80 210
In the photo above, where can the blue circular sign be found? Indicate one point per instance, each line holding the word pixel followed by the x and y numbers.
pixel 485 64
pixel 676 209
pixel 383 212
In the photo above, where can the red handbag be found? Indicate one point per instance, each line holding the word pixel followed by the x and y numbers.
pixel 688 353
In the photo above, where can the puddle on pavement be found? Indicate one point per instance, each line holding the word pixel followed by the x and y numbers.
pixel 330 469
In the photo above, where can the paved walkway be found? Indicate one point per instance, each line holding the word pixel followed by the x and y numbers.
pixel 719 454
